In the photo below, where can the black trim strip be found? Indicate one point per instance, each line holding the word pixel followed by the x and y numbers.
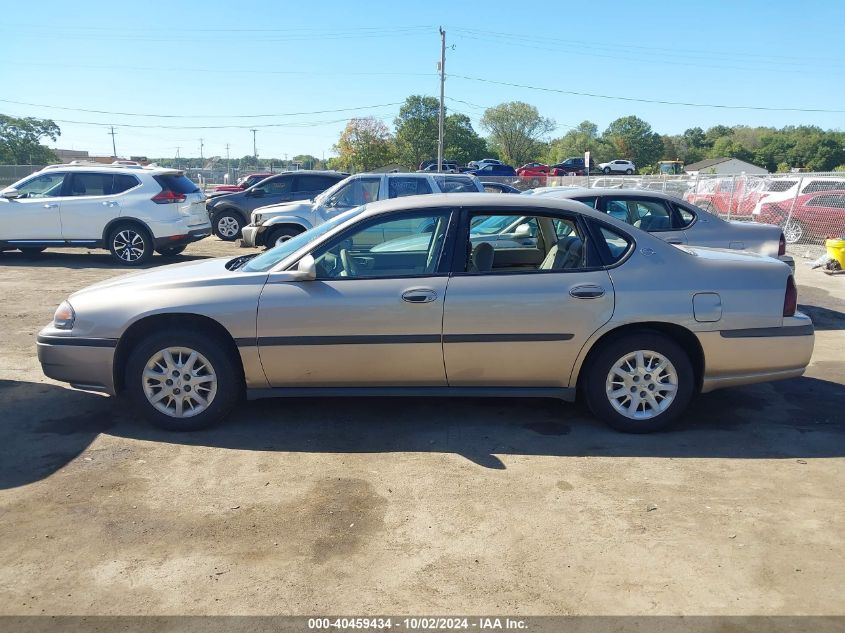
pixel 394 339
pixel 79 341
pixel 761 332
pixel 504 338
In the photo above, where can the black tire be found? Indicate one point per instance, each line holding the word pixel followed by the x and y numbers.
pixel 32 250
pixel 227 225
pixel 629 171
pixel 130 244
pixel 171 251
pixel 601 364
pixel 282 233
pixel 229 382
pixel 606 171
pixel 794 232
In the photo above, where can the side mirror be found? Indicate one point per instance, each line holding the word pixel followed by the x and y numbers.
pixel 10 193
pixel 306 269
pixel 257 192
pixel 523 230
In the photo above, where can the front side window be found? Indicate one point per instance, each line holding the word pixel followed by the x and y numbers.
pixel 407 186
pixel 355 193
pixel 823 185
pixel 590 202
pixel 399 247
pixel 47 185
pixel 278 186
pixel 515 243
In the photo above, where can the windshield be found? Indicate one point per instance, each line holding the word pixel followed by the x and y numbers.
pixel 320 199
pixel 269 259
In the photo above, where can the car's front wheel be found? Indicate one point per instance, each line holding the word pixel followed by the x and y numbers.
pixel 182 380
pixel 606 170
pixel 639 383
pixel 280 235
pixel 228 225
pixel 130 245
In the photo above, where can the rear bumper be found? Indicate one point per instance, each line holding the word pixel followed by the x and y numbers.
pixel 788 260
pixel 742 357
pixel 85 363
pixel 194 235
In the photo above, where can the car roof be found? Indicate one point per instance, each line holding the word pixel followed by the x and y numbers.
pixel 113 169
pixel 610 191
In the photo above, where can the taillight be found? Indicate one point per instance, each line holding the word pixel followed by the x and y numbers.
pixel 168 197
pixel 782 245
pixel 790 299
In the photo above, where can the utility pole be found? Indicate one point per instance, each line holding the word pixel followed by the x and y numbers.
pixel 113 148
pixel 202 160
pixel 228 169
pixel 254 149
pixel 177 157
pixel 442 82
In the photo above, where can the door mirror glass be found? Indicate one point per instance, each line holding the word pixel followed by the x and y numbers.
pixel 10 193
pixel 258 192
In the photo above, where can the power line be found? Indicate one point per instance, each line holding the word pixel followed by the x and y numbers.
pixel 199 116
pixel 639 100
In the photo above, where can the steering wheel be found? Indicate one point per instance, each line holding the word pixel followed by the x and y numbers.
pixel 349 265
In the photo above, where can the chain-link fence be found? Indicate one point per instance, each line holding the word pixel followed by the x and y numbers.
pixel 810 207
pixel 10 174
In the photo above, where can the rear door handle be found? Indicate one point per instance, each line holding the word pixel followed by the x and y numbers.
pixel 587 292
pixel 50 205
pixel 109 203
pixel 419 295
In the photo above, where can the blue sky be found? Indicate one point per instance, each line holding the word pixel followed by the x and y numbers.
pixel 209 63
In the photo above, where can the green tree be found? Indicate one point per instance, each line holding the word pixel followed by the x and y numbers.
pixel 461 142
pixel 364 144
pixel 417 130
pixel 20 140
pixel 633 139
pixel 575 142
pixel 726 146
pixel 306 161
pixel 516 130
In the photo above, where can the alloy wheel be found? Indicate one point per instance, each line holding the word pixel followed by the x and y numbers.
pixel 128 245
pixel 179 382
pixel 792 231
pixel 641 385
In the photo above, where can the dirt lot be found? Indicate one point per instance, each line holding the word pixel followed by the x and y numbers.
pixel 364 506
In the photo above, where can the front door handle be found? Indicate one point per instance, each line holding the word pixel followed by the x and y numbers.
pixel 50 205
pixel 419 295
pixel 674 240
pixel 587 292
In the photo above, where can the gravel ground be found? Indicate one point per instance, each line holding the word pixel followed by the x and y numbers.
pixel 415 506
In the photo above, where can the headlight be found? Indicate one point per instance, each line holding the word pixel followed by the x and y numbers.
pixel 64 317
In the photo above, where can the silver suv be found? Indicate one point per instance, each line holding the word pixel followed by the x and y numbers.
pixel 274 224
pixel 128 209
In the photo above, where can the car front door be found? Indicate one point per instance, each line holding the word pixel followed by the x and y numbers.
pixel 272 191
pixel 35 214
pixel 372 317
pixel 512 323
pixel 653 215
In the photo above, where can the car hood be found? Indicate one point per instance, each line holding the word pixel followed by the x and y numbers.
pixel 201 272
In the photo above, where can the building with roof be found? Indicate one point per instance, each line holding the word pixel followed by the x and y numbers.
pixel 723 166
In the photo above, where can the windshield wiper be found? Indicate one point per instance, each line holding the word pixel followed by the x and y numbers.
pixel 234 264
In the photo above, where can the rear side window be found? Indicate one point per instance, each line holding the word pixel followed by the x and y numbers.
pixel 456 184
pixel 685 216
pixel 399 187
pixel 177 184
pixel 315 183
pixel 780 185
pixel 124 182
pixel 590 202
pixel 91 184
pixel 616 244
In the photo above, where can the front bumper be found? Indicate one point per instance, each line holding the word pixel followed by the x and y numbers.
pixel 251 235
pixel 194 235
pixel 85 363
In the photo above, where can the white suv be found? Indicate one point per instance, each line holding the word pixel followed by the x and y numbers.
pixel 130 210
pixel 618 167
pixel 277 223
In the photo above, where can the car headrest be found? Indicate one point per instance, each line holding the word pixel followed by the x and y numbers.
pixel 482 257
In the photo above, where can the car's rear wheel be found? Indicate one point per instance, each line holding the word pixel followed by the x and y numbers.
pixel 639 383
pixel 130 244
pixel 629 171
pixel 171 251
pixel 280 235
pixel 182 380
pixel 793 231
pixel 228 225
pixel 606 171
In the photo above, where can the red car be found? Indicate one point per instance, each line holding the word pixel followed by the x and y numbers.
pixel 535 173
pixel 815 216
pixel 244 183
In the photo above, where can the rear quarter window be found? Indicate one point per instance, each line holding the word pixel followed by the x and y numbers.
pixel 177 184
pixel 456 184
